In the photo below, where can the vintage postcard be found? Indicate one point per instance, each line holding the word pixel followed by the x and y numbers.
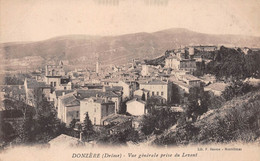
pixel 129 80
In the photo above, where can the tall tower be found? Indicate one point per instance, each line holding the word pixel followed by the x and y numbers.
pixel 133 63
pixel 97 67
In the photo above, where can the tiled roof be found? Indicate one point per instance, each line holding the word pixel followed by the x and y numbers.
pixel 115 79
pixel 70 99
pixel 93 86
pixel 144 90
pixel 32 83
pixel 173 57
pixel 64 139
pixel 190 77
pixel 65 77
pixel 136 99
pixel 74 102
pixel 187 60
pixel 92 93
pixel 217 86
pixel 53 76
pixel 59 92
pixel 155 82
pixel 99 100
pixel 181 84
pixel 116 118
pixel 114 88
pixel 177 82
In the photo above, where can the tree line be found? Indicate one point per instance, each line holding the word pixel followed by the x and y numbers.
pixel 233 64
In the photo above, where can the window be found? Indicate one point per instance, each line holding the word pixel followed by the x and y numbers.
pixel 94 121
pixel 54 84
pixel 152 93
pixel 77 114
pixel 161 93
pixel 157 93
pixel 65 88
pixel 51 84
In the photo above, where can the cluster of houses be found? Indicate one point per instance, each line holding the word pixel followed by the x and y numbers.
pixel 108 94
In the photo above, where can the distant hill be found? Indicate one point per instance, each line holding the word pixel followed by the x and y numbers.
pixel 119 49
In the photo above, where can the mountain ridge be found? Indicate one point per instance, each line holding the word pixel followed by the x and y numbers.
pixel 140 45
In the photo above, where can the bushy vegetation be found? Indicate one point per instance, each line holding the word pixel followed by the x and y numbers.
pixel 176 96
pixel 237 88
pixel 233 64
pixel 36 127
pixel 239 123
pixel 120 138
pixel 17 79
pixel 158 120
pixel 198 103
pixel 235 121
pixel 215 102
pixel 201 67
pixel 157 61
pixel 153 102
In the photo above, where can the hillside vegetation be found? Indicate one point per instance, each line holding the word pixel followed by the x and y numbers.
pixel 237 120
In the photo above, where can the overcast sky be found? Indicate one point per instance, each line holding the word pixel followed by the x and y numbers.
pixel 30 20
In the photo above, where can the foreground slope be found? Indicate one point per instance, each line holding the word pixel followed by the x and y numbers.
pixel 236 120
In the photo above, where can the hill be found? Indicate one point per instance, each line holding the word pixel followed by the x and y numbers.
pixel 118 49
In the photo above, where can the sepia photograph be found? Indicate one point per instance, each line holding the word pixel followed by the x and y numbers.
pixel 129 80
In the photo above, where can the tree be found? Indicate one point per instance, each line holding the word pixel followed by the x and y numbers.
pixel 148 124
pixel 152 102
pixel 233 64
pixel 158 120
pixel 237 88
pixel 14 80
pixel 72 123
pixel 143 97
pixel 176 97
pixel 26 132
pixel 122 110
pixel 48 125
pixel 252 65
pixel 200 68
pixel 120 138
pixel 7 131
pixel 87 127
pixel 197 103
